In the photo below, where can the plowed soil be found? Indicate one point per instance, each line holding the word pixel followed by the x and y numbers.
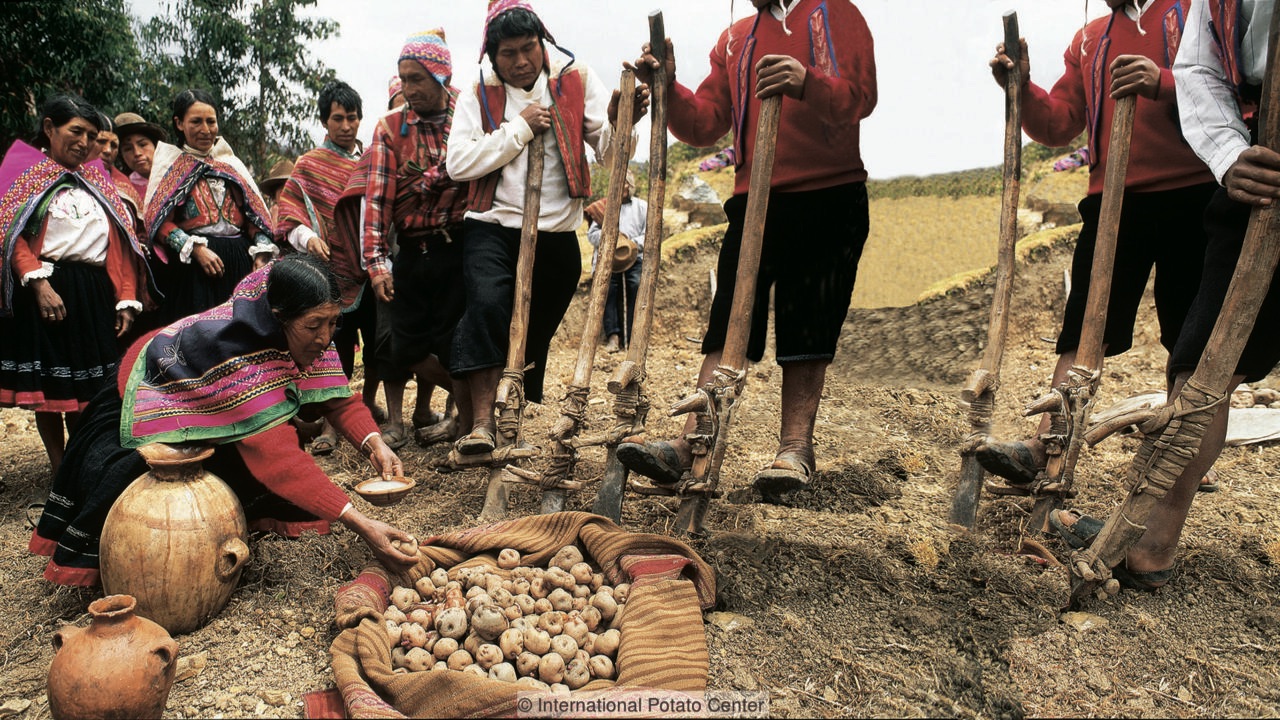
pixel 855 598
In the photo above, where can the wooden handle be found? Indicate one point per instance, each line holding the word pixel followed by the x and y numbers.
pixel 638 347
pixel 1089 354
pixel 744 291
pixel 1012 40
pixel 657 37
pixel 618 159
pixel 518 335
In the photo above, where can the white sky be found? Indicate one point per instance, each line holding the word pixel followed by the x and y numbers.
pixel 939 110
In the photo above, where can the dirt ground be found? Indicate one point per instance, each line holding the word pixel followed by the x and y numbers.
pixel 856 599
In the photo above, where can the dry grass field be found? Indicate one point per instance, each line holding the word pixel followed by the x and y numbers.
pixel 917 241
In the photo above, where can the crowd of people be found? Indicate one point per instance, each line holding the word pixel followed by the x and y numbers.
pixel 152 291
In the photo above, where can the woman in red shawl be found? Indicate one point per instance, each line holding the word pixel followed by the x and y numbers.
pixel 72 275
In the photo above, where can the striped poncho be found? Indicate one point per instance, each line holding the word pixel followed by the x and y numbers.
pixel 310 193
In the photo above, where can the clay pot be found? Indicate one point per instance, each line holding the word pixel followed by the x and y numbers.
pixel 175 539
pixel 121 666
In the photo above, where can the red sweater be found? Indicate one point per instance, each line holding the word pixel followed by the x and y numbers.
pixel 276 458
pixel 1159 157
pixel 818 138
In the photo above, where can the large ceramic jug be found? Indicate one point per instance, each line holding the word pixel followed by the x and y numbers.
pixel 121 666
pixel 175 539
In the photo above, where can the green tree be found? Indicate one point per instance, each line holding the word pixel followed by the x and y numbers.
pixel 252 55
pixel 85 47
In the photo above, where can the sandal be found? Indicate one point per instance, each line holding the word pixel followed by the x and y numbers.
pixel 326 442
pixel 442 431
pixel 324 445
pixel 1080 534
pixel 426 421
pixel 1209 483
pixel 34 512
pixel 1012 461
pixel 480 441
pixel 790 471
pixel 394 435
pixel 657 461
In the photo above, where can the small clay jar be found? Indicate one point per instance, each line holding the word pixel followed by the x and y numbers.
pixel 175 539
pixel 121 666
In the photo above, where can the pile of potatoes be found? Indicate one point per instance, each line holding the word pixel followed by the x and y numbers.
pixel 552 629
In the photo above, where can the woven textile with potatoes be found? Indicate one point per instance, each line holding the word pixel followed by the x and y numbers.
pixel 663 644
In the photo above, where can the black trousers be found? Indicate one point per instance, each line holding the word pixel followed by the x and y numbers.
pixel 1225 222
pixel 1162 229
pixel 488 272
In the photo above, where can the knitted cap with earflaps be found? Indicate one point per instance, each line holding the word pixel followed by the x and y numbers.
pixel 431 51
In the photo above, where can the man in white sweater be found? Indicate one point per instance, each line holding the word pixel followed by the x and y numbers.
pixel 527 93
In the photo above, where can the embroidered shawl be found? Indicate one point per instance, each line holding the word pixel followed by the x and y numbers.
pixel 128 192
pixel 175 172
pixel 28 175
pixel 223 375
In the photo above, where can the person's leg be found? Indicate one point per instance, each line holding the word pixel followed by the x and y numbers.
pixel 484 387
pixel 461 399
pixel 1020 461
pixel 612 323
pixel 1157 546
pixel 816 269
pixel 478 353
pixel 378 370
pixel 556 271
pixel 1225 223
pixel 423 415
pixel 394 433
pixel 430 373
pixel 802 384
pixel 631 286
pixel 665 460
pixel 49 425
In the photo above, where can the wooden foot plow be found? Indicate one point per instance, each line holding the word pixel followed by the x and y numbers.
pixel 630 403
pixel 979 393
pixel 558 477
pixel 509 399
pixel 715 402
pixel 1072 402
pixel 1174 432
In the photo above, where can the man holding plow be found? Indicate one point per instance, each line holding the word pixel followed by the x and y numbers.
pixel 526 94
pixel 1219 73
pixel 819 57
pixel 1129 52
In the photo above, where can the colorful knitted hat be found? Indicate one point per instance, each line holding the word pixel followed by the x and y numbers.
pixel 429 49
pixel 394 86
pixel 496 8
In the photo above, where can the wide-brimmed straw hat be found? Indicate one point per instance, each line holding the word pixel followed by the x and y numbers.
pixel 133 124
pixel 625 253
pixel 280 172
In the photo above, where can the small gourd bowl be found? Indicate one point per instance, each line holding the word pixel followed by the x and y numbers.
pixel 381 492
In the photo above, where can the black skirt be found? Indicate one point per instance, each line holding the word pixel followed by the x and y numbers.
pixel 60 366
pixel 191 291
